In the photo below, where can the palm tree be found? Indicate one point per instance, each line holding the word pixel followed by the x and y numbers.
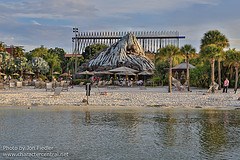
pixel 169 52
pixel 2 47
pixel 233 59
pixel 220 40
pixel 53 61
pixel 210 52
pixel 188 51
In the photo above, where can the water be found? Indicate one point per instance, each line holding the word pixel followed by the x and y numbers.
pixel 118 134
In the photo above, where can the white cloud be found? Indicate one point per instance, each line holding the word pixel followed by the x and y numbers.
pixel 106 15
pixel 35 22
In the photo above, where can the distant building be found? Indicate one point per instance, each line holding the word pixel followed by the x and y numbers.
pixel 69 55
pixel 10 49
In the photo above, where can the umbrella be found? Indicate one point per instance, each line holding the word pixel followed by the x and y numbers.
pixel 123 69
pixel 102 72
pixel 85 73
pixel 145 73
pixel 127 73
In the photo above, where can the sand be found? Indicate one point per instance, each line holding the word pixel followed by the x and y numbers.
pixel 125 97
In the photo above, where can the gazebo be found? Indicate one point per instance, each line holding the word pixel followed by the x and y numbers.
pixel 179 71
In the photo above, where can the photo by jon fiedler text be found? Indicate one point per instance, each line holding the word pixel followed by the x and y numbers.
pixel 31 151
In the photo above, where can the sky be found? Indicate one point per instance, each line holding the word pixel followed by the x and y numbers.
pixel 32 23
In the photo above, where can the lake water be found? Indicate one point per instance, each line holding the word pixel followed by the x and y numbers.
pixel 118 134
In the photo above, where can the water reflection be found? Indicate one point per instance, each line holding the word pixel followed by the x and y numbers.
pixel 125 134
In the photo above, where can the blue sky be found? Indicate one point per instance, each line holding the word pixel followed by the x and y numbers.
pixel 32 23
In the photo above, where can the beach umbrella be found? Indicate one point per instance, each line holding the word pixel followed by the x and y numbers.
pixel 145 73
pixel 85 73
pixel 127 73
pixel 123 69
pixel 102 73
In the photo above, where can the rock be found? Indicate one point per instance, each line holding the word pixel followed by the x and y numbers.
pixel 127 51
pixel 84 101
pixel 198 107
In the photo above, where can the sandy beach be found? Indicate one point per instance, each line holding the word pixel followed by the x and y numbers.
pixel 120 97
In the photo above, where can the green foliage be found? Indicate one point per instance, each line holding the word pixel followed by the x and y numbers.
pixel 156 80
pixel 200 76
pixel 161 71
pixel 2 47
pixel 18 52
pixel 53 61
pixel 188 51
pixel 39 65
pixel 214 37
pixel 21 64
pixel 92 50
pixel 4 59
pixel 38 52
pixel 209 52
pixel 232 57
pixel 76 81
pixel 63 61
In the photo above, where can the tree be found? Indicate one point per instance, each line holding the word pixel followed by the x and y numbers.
pixel 39 65
pixel 2 47
pixel 169 52
pixel 18 52
pixel 21 64
pixel 4 57
pixel 233 59
pixel 220 40
pixel 188 51
pixel 38 52
pixel 53 61
pixel 210 52
pixel 61 55
pixel 92 50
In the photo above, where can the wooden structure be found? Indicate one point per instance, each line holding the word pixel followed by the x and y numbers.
pixel 151 41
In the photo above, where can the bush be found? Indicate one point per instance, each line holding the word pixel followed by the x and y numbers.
pixel 78 81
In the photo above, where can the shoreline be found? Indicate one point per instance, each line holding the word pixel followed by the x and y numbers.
pixel 131 98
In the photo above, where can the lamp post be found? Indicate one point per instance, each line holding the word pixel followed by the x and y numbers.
pixel 75 41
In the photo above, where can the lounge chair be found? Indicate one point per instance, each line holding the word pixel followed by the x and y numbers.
pixel 49 86
pixel 57 91
pixel 12 85
pixel 65 86
pixel 2 86
pixel 36 84
pixel 42 84
pixel 19 84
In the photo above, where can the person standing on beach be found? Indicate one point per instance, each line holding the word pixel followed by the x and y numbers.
pixel 225 85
